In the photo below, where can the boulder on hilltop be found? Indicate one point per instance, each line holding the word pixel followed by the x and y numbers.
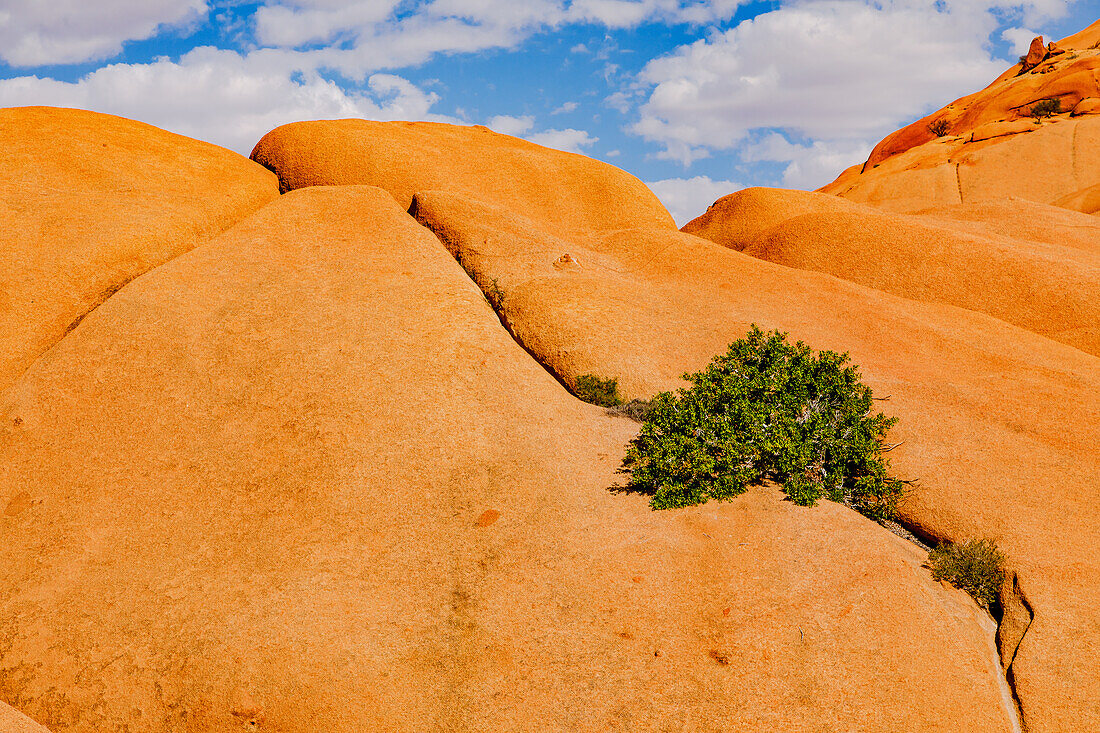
pixel 566 192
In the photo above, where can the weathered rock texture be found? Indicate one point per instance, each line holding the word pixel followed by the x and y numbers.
pixel 1086 200
pixel 992 148
pixel 1043 286
pixel 739 219
pixel 12 721
pixel 301 479
pixel 1021 219
pixel 975 398
pixel 564 192
pixel 91 201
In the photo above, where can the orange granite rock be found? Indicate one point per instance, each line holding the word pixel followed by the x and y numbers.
pixel 251 493
pixel 998 424
pixel 564 191
pixel 91 201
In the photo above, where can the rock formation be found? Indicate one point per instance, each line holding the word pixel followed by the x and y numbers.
pixel 90 202
pixel 565 192
pixel 309 462
pixel 301 478
pixel 12 721
pixel 994 148
pixel 646 306
pixel 1049 285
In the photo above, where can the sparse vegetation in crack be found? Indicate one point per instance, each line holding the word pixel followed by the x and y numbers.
pixel 597 391
pixel 939 127
pixel 975 566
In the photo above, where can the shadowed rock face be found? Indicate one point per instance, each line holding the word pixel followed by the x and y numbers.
pixel 1043 286
pixel 975 397
pixel 992 148
pixel 1086 200
pixel 564 192
pixel 301 479
pixel 91 201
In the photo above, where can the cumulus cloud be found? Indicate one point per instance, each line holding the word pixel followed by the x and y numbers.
pixel 36 33
pixel 509 125
pixel 569 139
pixel 808 166
pixel 376 34
pixel 837 69
pixel 223 97
pixel 687 198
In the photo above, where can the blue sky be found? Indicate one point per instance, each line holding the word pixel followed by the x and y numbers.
pixel 696 97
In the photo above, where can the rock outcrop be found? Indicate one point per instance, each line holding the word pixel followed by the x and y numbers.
pixel 565 192
pixel 12 721
pixel 301 479
pixel 1086 200
pixel 739 219
pixel 992 147
pixel 1036 54
pixel 1048 288
pixel 91 201
pixel 973 394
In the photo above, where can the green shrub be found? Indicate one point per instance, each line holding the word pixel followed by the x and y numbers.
pixel 938 127
pixel 596 391
pixel 976 566
pixel 766 409
pixel 1046 108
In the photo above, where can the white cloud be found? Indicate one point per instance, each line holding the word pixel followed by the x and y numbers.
pixel 569 139
pixel 565 108
pixel 687 198
pixel 36 33
pixel 509 125
pixel 223 97
pixel 1020 38
pixel 304 21
pixel 372 34
pixel 823 69
pixel 808 166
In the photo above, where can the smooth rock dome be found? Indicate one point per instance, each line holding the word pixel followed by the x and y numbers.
pixel 91 201
pixel 564 191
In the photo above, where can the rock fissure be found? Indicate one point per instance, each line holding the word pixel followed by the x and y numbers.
pixel 1016 619
pixel 491 298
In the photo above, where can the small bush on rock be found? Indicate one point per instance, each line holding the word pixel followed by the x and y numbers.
pixel 939 127
pixel 1046 108
pixel 596 391
pixel 976 566
pixel 766 409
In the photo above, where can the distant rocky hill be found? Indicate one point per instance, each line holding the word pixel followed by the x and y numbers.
pixel 988 145
pixel 288 444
